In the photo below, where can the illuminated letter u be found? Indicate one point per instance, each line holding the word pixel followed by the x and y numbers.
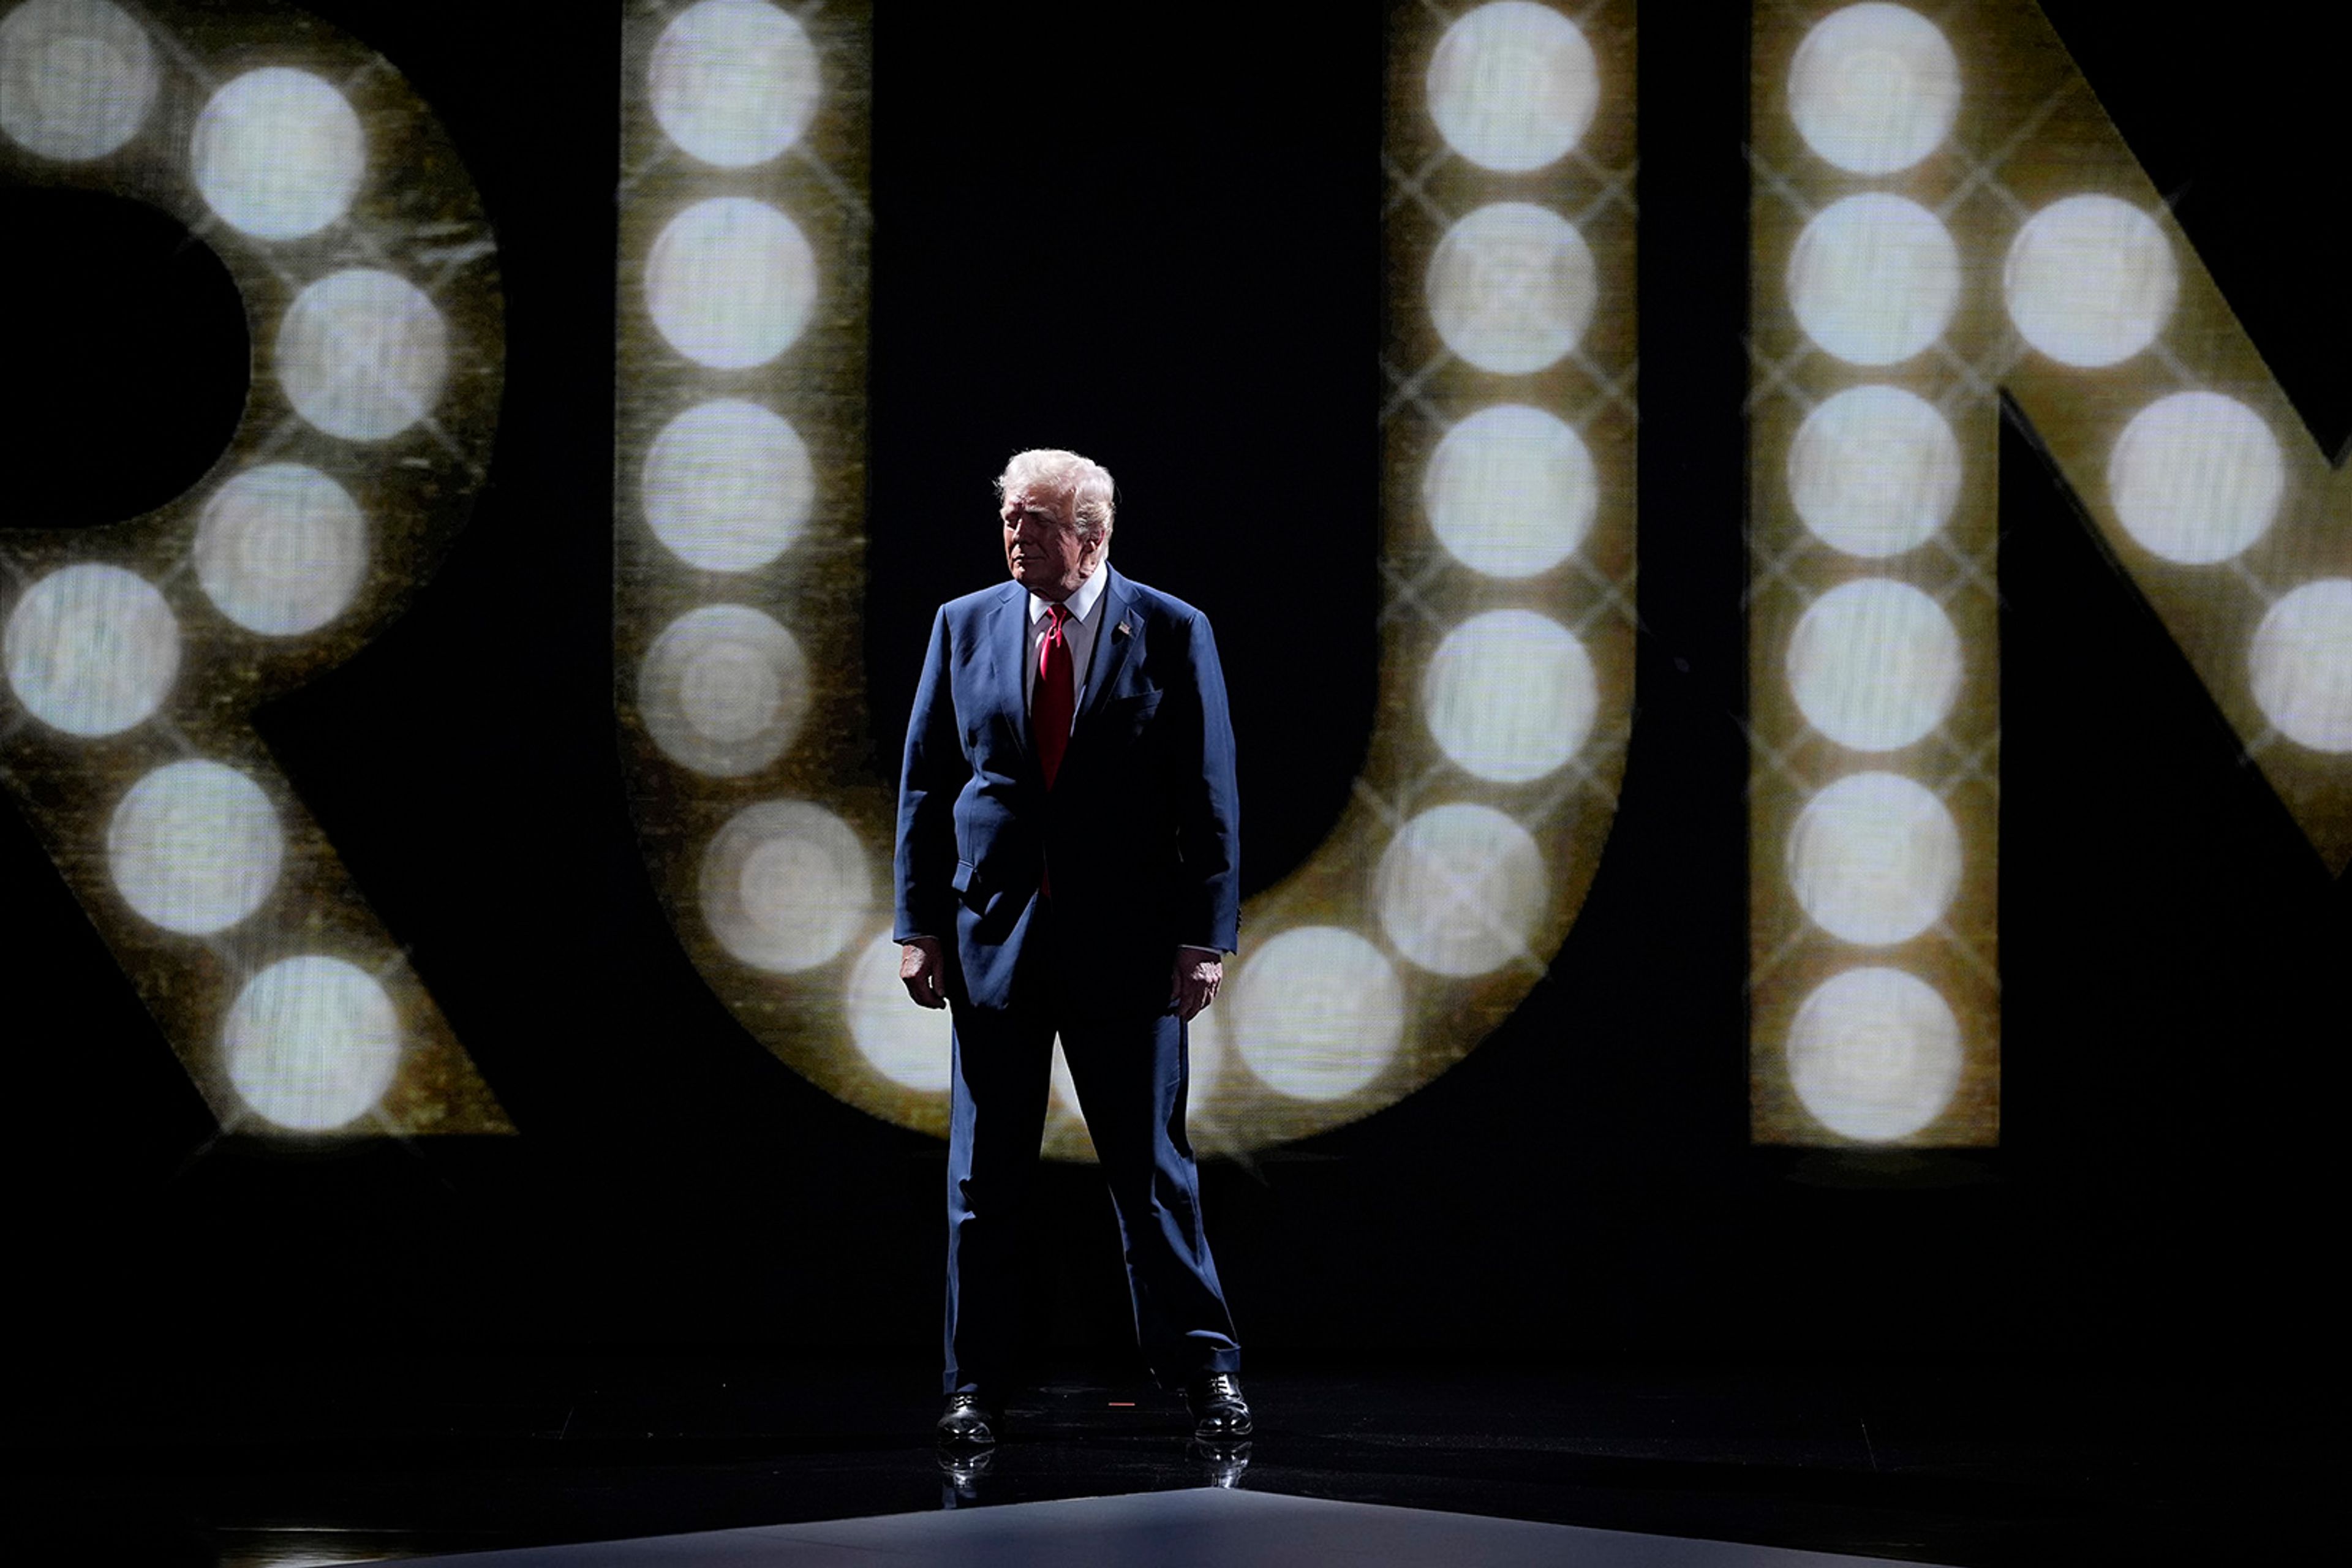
pixel 1506 620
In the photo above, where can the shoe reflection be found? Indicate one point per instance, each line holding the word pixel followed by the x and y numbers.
pixel 1222 1464
pixel 962 1475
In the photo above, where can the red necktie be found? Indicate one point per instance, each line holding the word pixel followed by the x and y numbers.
pixel 1056 699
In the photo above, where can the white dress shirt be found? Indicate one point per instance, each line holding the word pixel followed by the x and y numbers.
pixel 1079 631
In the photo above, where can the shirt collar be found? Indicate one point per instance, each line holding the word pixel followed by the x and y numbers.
pixel 1082 602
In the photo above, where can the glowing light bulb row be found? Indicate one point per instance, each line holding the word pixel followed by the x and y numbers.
pixel 1321 1012
pixel 1874 663
pixel 2157 409
pixel 277 153
pixel 2198 480
pixel 2089 281
pixel 196 848
pixel 1873 858
pixel 753 317
pixel 727 486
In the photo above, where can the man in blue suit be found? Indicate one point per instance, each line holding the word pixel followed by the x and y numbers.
pixel 1068 862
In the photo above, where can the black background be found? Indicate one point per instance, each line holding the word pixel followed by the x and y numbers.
pixel 1152 235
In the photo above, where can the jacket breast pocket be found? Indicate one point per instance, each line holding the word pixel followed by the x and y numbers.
pixel 1124 718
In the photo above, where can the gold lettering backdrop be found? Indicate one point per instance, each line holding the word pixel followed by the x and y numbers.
pixel 1507 562
pixel 1943 214
pixel 135 653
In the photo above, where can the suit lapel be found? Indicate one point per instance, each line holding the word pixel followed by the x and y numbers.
pixel 1115 634
pixel 1009 652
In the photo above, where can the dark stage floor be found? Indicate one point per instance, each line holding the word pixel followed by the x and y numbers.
pixel 308 1464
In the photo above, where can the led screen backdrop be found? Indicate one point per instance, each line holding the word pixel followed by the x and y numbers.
pixel 135 652
pixel 1944 217
pixel 1943 221
pixel 1507 564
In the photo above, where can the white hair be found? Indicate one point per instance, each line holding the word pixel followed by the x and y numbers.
pixel 1081 484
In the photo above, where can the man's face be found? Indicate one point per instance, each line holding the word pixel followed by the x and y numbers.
pixel 1043 548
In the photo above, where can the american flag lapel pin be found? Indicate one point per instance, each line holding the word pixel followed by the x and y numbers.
pixel 1121 629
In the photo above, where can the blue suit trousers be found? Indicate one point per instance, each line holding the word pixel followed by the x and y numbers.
pixel 1130 1073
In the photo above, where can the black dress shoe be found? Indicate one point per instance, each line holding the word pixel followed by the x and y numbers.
pixel 1220 1413
pixel 969 1421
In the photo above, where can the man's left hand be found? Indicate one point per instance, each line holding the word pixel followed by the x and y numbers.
pixel 1199 971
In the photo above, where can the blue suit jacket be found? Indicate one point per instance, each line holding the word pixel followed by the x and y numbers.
pixel 1141 828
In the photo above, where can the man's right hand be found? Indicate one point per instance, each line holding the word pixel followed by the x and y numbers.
pixel 924 968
